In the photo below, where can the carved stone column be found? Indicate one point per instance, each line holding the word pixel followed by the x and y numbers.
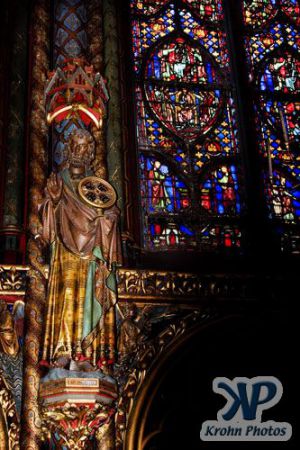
pixel 111 74
pixel 38 172
pixel 95 57
pixel 12 233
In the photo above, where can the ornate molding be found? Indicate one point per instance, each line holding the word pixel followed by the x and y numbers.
pixel 13 280
pixel 73 425
pixel 143 285
pixel 156 286
pixel 9 422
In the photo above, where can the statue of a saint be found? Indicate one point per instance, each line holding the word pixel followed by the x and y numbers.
pixel 9 344
pixel 85 248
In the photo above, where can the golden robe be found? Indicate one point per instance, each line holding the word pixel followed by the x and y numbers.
pixel 81 290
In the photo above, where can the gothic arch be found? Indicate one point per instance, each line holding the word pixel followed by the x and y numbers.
pixel 220 344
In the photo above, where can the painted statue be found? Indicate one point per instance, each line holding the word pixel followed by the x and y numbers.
pixel 9 343
pixel 85 248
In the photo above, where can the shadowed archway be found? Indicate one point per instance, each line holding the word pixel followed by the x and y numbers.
pixel 177 397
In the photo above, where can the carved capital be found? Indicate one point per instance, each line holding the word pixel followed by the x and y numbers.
pixel 71 426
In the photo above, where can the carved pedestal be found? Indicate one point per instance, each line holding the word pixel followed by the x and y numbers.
pixel 77 412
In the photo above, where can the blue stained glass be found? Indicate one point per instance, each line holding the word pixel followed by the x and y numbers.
pixel 72 22
pixel 186 85
pixel 186 230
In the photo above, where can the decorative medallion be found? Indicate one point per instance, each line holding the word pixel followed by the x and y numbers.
pixel 97 192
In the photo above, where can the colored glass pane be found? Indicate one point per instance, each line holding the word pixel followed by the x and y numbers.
pixel 161 234
pixel 285 198
pixel 70 39
pixel 259 45
pixel 186 112
pixel 219 193
pixel 292 9
pixel 282 74
pixel 146 32
pixel 258 12
pixel 178 61
pixel 272 45
pixel 206 10
pixel 185 119
pixel 150 133
pixel 163 191
pixel 218 236
pixel 222 142
pixel 147 7
pixel 189 110
pixel 213 40
pixel 284 118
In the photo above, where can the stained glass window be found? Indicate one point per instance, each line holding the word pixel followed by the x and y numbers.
pixel 272 45
pixel 70 42
pixel 188 143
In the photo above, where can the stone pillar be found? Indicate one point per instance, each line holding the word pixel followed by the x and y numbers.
pixel 12 230
pixel 40 32
pixel 111 74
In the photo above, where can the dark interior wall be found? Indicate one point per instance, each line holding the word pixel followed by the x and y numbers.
pixel 4 83
pixel 251 344
pixel 13 127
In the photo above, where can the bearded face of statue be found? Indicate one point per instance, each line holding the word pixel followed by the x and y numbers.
pixel 81 150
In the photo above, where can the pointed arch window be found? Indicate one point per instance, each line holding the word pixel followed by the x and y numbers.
pixel 272 45
pixel 188 145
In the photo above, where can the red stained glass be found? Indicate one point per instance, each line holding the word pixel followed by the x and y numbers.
pixel 185 117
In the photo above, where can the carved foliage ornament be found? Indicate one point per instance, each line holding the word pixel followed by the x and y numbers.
pixel 73 425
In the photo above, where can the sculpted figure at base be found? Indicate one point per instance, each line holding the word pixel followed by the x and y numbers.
pixel 9 343
pixel 84 243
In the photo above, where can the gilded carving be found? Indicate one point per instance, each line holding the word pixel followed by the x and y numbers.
pixel 105 436
pixel 72 426
pixel 9 422
pixel 13 280
pixel 8 336
pixel 9 351
pixel 129 332
pixel 167 286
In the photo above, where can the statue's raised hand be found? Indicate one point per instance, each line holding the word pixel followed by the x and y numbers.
pixel 54 187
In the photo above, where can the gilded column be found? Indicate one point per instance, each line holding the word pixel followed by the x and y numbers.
pixel 111 74
pixel 38 172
